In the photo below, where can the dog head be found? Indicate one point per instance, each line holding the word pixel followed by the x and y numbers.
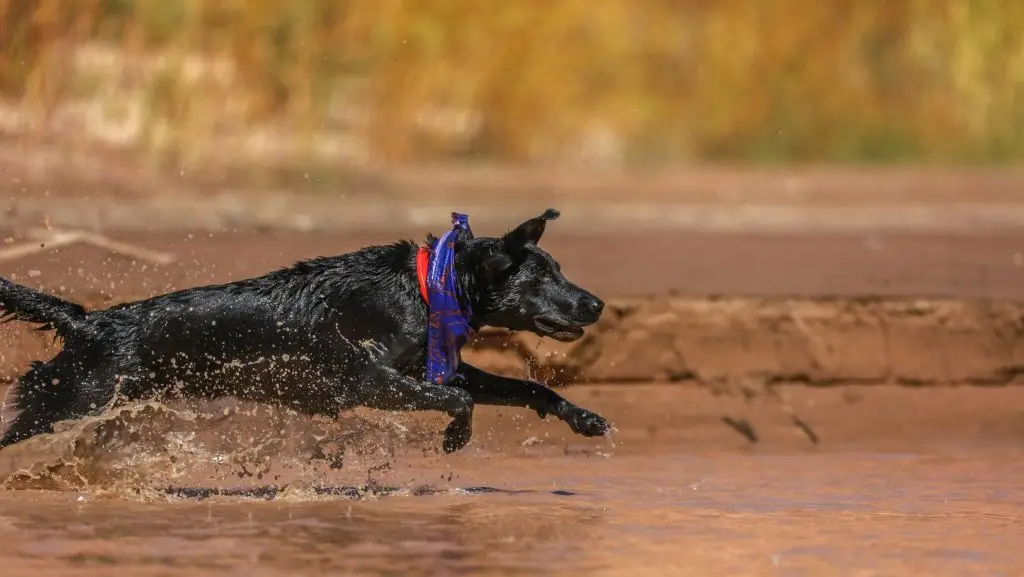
pixel 514 284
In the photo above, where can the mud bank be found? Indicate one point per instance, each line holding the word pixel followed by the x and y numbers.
pixel 742 342
pixel 753 342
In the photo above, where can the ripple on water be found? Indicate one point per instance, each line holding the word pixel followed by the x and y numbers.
pixel 159 488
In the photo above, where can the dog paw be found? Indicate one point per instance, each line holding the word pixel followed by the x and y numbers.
pixel 586 423
pixel 457 435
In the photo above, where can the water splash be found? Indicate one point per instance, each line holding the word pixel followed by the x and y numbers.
pixel 221 446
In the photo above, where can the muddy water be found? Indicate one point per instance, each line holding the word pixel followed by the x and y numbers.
pixel 900 482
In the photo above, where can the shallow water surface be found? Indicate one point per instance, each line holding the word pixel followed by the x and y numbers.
pixel 674 514
pixel 159 491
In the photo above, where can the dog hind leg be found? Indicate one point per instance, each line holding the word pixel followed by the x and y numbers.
pixel 62 389
pixel 33 404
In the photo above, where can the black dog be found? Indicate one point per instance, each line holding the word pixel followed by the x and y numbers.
pixel 320 336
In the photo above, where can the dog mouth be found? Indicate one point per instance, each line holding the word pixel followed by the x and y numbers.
pixel 558 329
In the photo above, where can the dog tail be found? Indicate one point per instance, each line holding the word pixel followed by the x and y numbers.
pixel 20 303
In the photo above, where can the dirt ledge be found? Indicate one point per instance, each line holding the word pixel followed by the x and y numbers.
pixel 745 342
pixel 754 342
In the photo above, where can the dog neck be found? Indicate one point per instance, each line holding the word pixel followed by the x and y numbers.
pixel 449 312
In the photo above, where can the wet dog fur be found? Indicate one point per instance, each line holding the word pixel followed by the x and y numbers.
pixel 320 336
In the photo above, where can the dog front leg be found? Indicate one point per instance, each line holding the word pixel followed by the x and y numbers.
pixel 489 389
pixel 387 390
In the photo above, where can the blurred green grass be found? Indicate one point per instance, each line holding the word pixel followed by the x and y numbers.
pixel 682 81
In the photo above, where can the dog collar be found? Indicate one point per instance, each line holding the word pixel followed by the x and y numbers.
pixel 448 327
pixel 422 264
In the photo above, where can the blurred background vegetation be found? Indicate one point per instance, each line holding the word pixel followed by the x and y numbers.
pixel 625 82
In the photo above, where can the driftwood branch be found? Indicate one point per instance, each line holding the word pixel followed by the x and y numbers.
pixel 48 239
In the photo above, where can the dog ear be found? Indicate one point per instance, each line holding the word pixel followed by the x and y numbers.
pixel 496 263
pixel 528 233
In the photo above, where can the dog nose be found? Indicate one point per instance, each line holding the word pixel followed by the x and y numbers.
pixel 593 305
